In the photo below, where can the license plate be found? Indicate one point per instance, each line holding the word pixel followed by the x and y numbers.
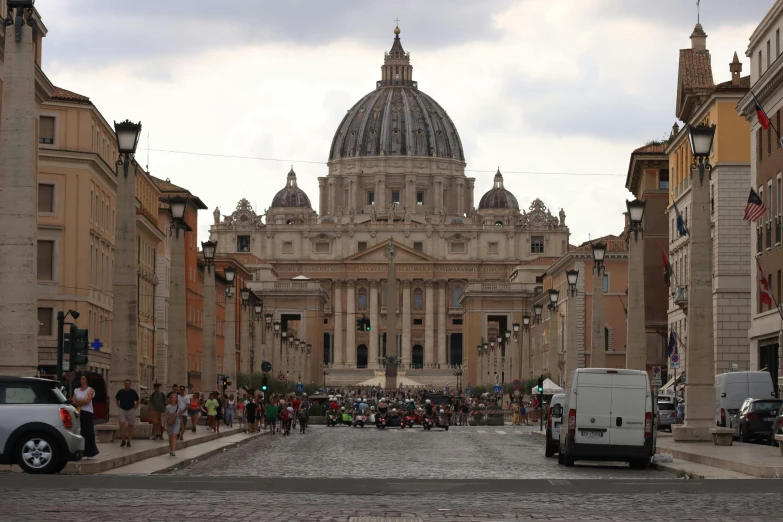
pixel 592 434
pixel 769 419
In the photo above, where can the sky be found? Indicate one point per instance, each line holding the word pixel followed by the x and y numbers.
pixel 556 93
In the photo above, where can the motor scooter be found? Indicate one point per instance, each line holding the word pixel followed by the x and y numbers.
pixel 332 418
pixel 409 420
pixel 442 421
pixel 346 419
pixel 381 420
pixel 427 422
pixel 359 419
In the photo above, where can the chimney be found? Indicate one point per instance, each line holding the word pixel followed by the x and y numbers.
pixel 736 68
pixel 698 39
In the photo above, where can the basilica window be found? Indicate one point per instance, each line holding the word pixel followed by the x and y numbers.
pixel 418 299
pixel 321 247
pixel 492 248
pixel 395 196
pixel 288 247
pixel 418 322
pixel 458 247
pixel 498 223
pixel 456 293
pixel 418 246
pixel 419 198
pixel 362 299
pixel 606 283
pixel 243 243
pixel 361 246
pixel 537 245
pixel 370 197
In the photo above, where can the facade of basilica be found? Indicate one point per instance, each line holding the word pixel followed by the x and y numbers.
pixel 396 172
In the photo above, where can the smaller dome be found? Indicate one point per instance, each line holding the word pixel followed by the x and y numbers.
pixel 498 197
pixel 291 195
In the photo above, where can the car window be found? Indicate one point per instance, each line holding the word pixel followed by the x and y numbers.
pixel 666 406
pixel 766 405
pixel 18 393
pixel 557 410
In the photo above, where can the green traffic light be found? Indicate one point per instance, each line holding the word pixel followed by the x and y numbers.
pixel 263 388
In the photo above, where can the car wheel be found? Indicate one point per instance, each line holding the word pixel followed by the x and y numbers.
pixel 549 451
pixel 743 436
pixel 560 459
pixel 568 461
pixel 38 454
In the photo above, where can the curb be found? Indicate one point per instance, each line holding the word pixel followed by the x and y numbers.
pixel 187 462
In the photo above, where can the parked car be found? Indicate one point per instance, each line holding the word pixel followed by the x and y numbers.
pixel 667 415
pixel 731 389
pixel 756 417
pixel 610 417
pixel 39 429
pixel 777 429
pixel 553 422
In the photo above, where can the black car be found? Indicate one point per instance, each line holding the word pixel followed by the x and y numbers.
pixel 756 417
pixel 777 428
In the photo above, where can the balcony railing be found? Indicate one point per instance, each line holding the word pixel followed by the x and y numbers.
pixel 681 296
pixel 759 240
pixel 769 235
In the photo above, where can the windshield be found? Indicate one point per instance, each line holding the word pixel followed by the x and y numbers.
pixel 666 406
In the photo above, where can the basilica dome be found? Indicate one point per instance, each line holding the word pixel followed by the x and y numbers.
pixel 291 195
pixel 498 197
pixel 396 119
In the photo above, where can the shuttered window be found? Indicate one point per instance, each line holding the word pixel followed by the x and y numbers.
pixel 46 130
pixel 45 197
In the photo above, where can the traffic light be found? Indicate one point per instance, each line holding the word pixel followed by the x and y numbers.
pixel 263 383
pixel 363 324
pixel 225 383
pixel 266 366
pixel 78 345
pixel 540 385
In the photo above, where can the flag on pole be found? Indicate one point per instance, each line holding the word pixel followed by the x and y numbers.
pixel 671 348
pixel 765 293
pixel 755 207
pixel 760 114
pixel 681 228
pixel 667 270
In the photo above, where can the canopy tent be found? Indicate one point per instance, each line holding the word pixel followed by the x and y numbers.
pixel 550 388
pixel 300 278
pixel 381 382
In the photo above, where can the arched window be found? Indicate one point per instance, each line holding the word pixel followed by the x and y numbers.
pixel 418 299
pixel 498 223
pixel 362 299
pixel 456 293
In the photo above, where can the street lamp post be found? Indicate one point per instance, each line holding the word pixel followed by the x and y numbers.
pixel 699 363
pixel 636 343
pixel 572 352
pixel 525 368
pixel 283 343
pixel 244 347
pixel 597 348
pixel 258 346
pixel 229 332
pixel 176 363
pixel 125 325
pixel 554 337
pixel 536 345
pixel 208 327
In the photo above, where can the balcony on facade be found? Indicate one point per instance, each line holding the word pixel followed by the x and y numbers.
pixel 681 296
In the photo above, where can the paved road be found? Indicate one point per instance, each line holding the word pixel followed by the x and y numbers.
pixel 363 475
pixel 341 452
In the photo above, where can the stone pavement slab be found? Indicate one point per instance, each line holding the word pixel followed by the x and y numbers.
pixel 701 471
pixel 184 457
pixel 750 459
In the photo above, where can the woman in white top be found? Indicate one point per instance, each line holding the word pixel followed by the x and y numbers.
pixel 82 399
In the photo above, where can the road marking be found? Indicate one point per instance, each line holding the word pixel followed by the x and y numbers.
pixel 500 432
pixel 657 483
pixel 480 431
pixel 560 482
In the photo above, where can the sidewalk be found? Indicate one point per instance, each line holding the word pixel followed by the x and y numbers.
pixel 749 459
pixel 113 456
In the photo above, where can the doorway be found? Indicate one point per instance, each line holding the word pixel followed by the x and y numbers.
pixel 417 356
pixel 455 349
pixel 768 361
pixel 361 356
pixel 327 348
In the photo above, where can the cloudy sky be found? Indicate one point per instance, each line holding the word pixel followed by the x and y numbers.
pixel 543 88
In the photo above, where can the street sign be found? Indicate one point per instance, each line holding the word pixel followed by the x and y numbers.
pixel 674 361
pixel 497 389
pixel 656 376
pixel 299 388
pixel 266 366
pixel 71 376
pixel 516 393
pixel 517 384
pixel 97 345
pixel 281 377
pixel 734 367
pixel 468 390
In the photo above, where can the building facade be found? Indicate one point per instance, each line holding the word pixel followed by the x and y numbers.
pixel 701 101
pixel 766 165
pixel 396 171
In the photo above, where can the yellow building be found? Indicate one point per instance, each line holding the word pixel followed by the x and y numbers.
pixel 701 101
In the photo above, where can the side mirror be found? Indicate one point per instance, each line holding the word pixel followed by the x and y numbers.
pixel 722 394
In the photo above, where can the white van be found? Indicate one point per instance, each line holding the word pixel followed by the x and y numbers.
pixel 553 422
pixel 609 416
pixel 731 389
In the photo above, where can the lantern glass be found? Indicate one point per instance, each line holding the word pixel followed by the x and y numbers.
pixel 284 334
pixel 127 136
pixel 177 207
pixel 508 334
pixel 245 292
pixel 230 272
pixel 208 248
pixel 573 277
pixel 701 138
pixel 537 309
pixel 599 251
pixel 485 346
pixel 309 348
pixel 526 320
pixel 516 325
pixel 291 340
pixel 635 210
pixel 277 326
pixel 258 307
pixel 554 295
pixel 268 319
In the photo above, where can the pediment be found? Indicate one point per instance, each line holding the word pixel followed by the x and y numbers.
pixel 377 254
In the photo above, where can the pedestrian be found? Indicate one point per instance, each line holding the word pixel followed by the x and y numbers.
pixel 287 416
pixel 183 400
pixel 250 415
pixel 211 405
pixel 127 401
pixel 157 409
pixel 271 416
pixel 82 400
pixel 230 404
pixel 515 414
pixel 523 413
pixel 194 410
pixel 173 419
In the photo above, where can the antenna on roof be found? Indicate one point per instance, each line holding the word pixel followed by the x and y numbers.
pixel 147 168
pixel 698 21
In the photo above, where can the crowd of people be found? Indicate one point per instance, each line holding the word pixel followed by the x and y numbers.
pixel 277 415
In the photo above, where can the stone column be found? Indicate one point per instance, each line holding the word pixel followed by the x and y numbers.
pixel 230 344
pixel 407 354
pixel 525 370
pixel 208 334
pixel 597 346
pixel 700 360
pixel 177 365
pixel 339 324
pixel 245 341
pixel 125 321
pixel 460 197
pixel 380 194
pixel 636 345
pixel 572 350
pixel 471 186
pixel 18 211
pixel 375 325
pixel 442 323
pixel 323 197
pixel 350 328
pixel 554 344
pixel 429 323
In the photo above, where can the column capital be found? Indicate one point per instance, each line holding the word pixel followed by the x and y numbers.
pixel 374 283
pixel 406 283
pixel 350 283
pixel 442 283
pixel 338 282
pixel 429 283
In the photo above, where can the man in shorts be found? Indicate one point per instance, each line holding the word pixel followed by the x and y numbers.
pixel 272 413
pixel 250 415
pixel 127 401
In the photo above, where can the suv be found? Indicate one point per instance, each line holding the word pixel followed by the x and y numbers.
pixel 39 429
pixel 667 414
pixel 756 417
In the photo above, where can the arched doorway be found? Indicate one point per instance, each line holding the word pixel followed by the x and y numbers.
pixel 417 356
pixel 361 356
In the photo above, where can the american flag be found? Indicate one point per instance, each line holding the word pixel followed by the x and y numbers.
pixel 755 208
